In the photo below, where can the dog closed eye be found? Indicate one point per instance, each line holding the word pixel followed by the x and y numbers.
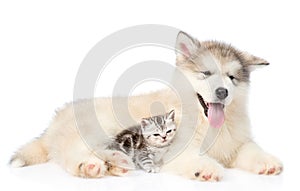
pixel 206 73
pixel 203 74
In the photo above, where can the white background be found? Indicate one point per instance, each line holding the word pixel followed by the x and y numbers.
pixel 42 46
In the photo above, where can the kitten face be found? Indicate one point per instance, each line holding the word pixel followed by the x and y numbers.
pixel 159 130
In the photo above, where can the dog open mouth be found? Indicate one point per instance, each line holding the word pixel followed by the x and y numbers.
pixel 213 111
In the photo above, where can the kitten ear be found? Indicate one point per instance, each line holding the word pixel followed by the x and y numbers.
pixel 253 62
pixel 171 115
pixel 145 122
pixel 186 45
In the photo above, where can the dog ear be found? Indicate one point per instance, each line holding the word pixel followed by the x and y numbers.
pixel 254 62
pixel 186 45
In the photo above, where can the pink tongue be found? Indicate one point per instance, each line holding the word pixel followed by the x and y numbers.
pixel 216 115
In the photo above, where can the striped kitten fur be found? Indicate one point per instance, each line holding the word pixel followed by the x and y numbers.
pixel 147 142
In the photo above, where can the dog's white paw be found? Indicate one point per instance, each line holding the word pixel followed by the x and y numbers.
pixel 266 164
pixel 206 169
pixel 252 158
pixel 118 163
pixel 92 169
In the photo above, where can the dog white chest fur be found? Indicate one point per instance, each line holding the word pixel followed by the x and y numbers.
pixel 219 75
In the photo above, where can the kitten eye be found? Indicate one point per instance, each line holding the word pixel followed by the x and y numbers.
pixel 169 131
pixel 206 73
pixel 156 134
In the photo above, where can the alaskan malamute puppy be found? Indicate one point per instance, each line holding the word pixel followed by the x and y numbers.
pixel 219 74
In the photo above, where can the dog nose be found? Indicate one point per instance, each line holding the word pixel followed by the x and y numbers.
pixel 221 93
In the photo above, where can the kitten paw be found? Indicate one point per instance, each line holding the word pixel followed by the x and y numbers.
pixel 152 169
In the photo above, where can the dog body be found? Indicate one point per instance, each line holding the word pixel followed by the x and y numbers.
pixel 219 75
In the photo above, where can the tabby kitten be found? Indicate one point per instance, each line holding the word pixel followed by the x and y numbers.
pixel 148 142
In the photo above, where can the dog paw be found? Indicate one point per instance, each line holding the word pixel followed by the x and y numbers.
pixel 115 170
pixel 252 158
pixel 92 169
pixel 118 164
pixel 207 170
pixel 267 164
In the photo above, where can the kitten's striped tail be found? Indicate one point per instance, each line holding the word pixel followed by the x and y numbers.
pixel 34 152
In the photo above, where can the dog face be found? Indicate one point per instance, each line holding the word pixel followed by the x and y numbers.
pixel 218 72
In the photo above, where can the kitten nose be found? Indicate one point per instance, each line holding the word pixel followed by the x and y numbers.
pixel 221 93
pixel 164 137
